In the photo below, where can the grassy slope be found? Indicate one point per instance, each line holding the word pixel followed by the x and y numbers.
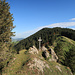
pixel 66 42
pixel 17 66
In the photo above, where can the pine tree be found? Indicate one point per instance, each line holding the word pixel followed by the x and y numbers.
pixel 6 26
pixel 6 22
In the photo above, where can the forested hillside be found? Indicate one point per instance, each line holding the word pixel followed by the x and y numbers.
pixel 61 39
pixel 48 36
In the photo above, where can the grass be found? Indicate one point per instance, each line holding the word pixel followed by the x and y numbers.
pixel 54 71
pixel 66 43
pixel 18 65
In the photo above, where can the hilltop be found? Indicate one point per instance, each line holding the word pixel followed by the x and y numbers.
pixel 17 39
pixel 60 40
pixel 26 63
pixel 48 35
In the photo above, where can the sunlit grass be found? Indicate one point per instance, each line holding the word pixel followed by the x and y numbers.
pixel 16 63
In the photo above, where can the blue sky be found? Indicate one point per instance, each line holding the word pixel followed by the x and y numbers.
pixel 33 15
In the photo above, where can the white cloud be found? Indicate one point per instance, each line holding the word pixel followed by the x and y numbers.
pixel 26 34
pixel 62 25
pixel 73 19
pixel 73 28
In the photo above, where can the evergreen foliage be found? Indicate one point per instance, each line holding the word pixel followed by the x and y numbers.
pixel 60 53
pixel 70 59
pixel 6 26
pixel 48 35
pixel 6 22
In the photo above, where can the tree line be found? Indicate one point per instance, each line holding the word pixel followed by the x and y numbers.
pixel 48 36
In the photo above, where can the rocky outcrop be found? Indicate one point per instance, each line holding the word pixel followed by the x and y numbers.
pixel 44 48
pixel 53 55
pixel 33 50
pixel 38 64
pixel 45 54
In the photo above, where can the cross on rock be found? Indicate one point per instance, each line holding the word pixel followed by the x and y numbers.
pixel 39 43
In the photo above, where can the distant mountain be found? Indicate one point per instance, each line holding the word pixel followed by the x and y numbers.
pixel 16 39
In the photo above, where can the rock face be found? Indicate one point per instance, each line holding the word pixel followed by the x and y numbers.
pixel 45 54
pixel 33 50
pixel 54 56
pixel 44 48
pixel 38 64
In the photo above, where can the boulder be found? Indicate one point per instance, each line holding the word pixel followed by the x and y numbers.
pixel 54 56
pixel 33 50
pixel 44 48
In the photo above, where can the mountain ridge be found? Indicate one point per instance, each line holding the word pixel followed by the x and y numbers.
pixel 60 39
pixel 23 62
pixel 47 35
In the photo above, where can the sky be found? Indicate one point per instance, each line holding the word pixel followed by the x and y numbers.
pixel 31 16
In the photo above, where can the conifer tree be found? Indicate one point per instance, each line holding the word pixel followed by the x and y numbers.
pixel 6 26
pixel 6 22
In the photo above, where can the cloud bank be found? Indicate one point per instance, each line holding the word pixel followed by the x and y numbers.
pixel 73 19
pixel 62 25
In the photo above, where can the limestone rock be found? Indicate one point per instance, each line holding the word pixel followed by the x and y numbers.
pixel 54 56
pixel 44 48
pixel 33 50
pixel 38 64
